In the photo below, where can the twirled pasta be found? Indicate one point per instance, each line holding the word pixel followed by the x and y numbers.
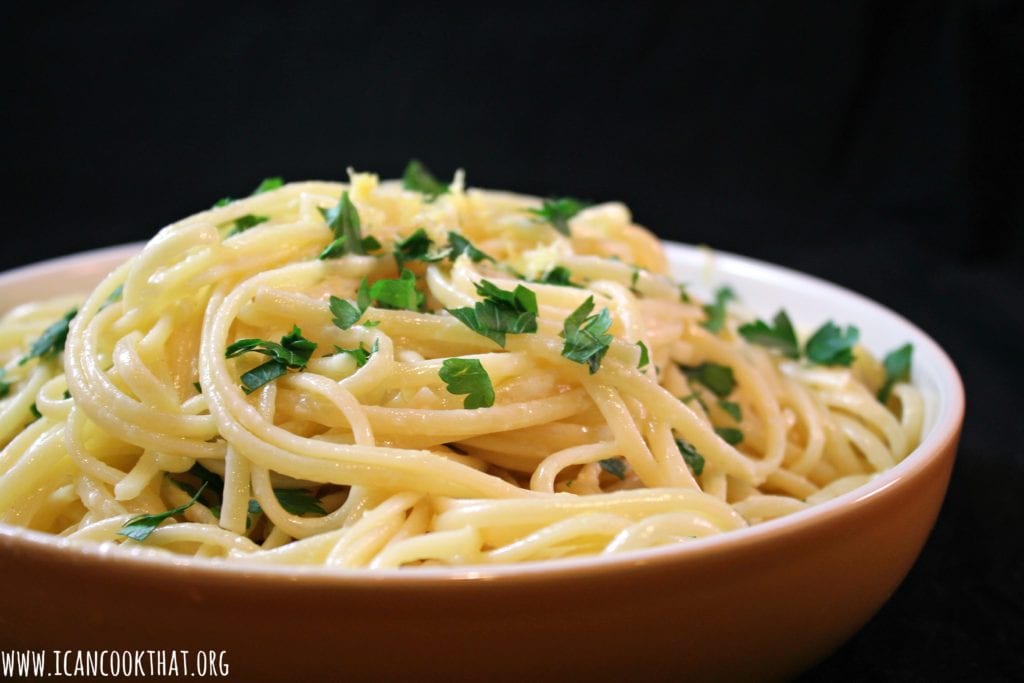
pixel 143 405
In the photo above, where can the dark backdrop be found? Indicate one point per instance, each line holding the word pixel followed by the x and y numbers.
pixel 877 144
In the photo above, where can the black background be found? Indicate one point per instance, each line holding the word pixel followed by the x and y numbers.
pixel 876 144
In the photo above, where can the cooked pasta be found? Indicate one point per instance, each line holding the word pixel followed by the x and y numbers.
pixel 382 375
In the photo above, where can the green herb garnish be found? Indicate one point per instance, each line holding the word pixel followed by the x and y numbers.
pixel 139 528
pixel 614 466
pixel 730 435
pixel 359 354
pixel 780 335
pixel 897 369
pixel 398 294
pixel 418 178
pixel 459 245
pixel 51 341
pixel 299 502
pixel 265 185
pixel 345 314
pixel 559 275
pixel 415 247
pixel 558 211
pixel 586 336
pixel 718 378
pixel 733 409
pixel 500 312
pixel 343 220
pixel 715 312
pixel 693 459
pixel 831 345
pixel 293 352
pixel 245 222
pixel 645 357
pixel 468 376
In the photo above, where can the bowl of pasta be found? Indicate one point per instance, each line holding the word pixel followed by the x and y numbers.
pixel 407 429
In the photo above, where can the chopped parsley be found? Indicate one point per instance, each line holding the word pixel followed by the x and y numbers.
pixel 558 211
pixel 468 376
pixel 293 352
pixel 614 466
pixel 265 185
pixel 343 220
pixel 779 336
pixel 500 312
pixel 718 378
pixel 345 314
pixel 296 501
pixel 559 275
pixel 245 222
pixel 139 528
pixel 459 245
pixel 5 387
pixel 715 312
pixel 897 369
pixel 733 409
pixel 693 459
pixel 415 247
pixel 645 357
pixel 398 294
pixel 586 336
pixel 831 345
pixel 34 409
pixel 268 184
pixel 730 435
pixel 359 354
pixel 418 178
pixel 51 341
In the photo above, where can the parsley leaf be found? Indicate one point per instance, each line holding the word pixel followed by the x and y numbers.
pixel 398 294
pixel 716 312
pixel 343 219
pixel 459 245
pixel 614 466
pixel 268 184
pixel 245 222
pixel 558 211
pixel 265 186
pixel 359 354
pixel 418 178
pixel 299 501
pixel 415 247
pixel 559 275
pixel 139 528
pixel 51 341
pixel 645 357
pixel 693 459
pixel 780 335
pixel 500 312
pixel 468 376
pixel 730 435
pixel 897 369
pixel 831 345
pixel 733 409
pixel 718 378
pixel 293 352
pixel 345 314
pixel 587 338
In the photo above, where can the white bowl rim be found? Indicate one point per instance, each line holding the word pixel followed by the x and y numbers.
pixel 944 429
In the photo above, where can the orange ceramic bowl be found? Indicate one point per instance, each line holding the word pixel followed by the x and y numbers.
pixel 763 603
